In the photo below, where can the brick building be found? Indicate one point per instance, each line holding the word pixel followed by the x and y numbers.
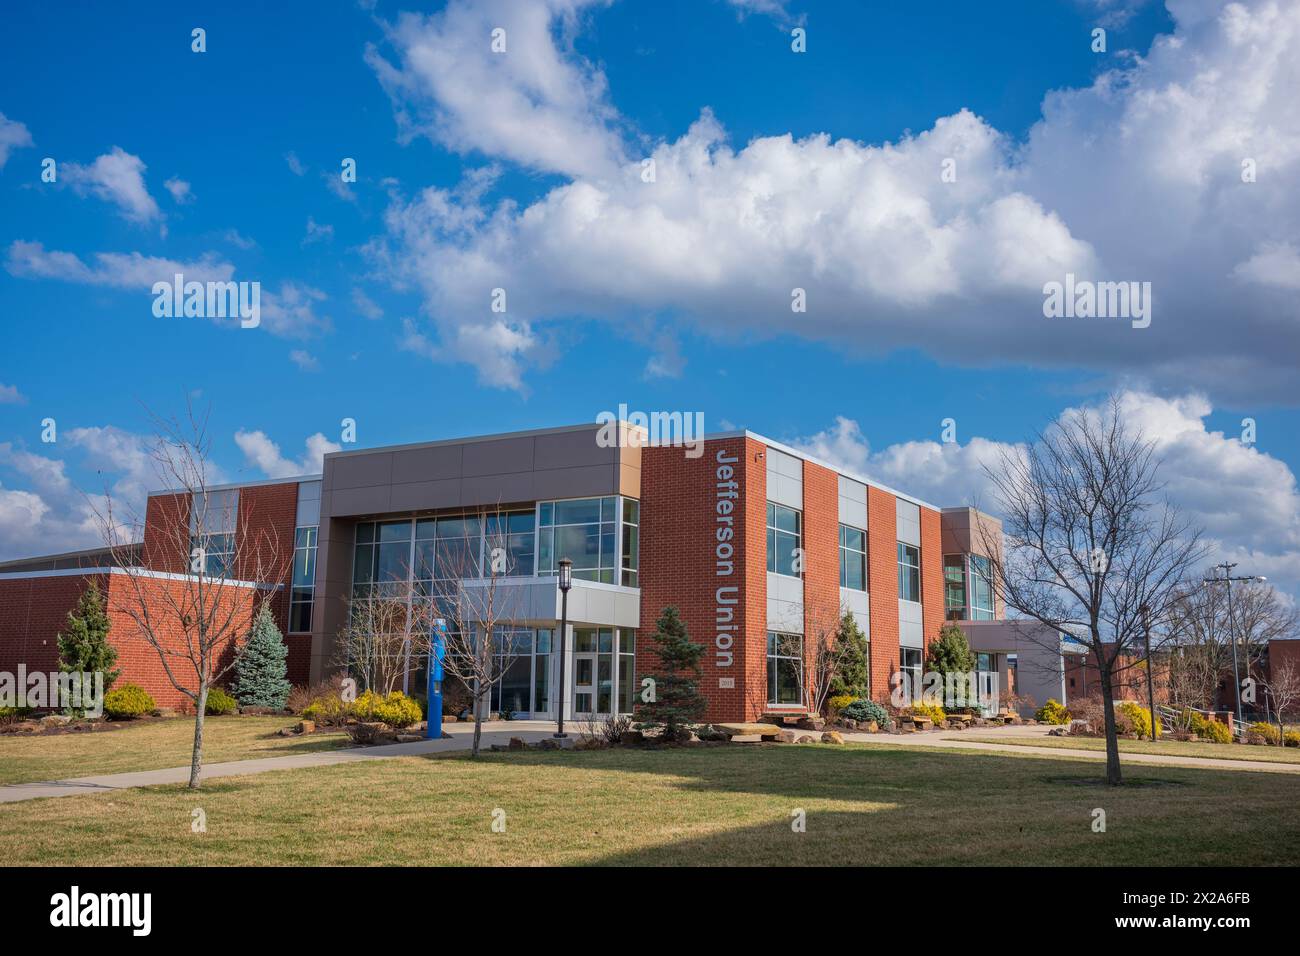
pixel 760 546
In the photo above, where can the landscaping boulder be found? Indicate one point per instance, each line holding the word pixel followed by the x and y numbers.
pixel 787 737
pixel 710 732
pixel 811 723
pixel 872 727
pixel 547 744
pixel 629 738
pixel 832 737
pixel 369 732
pixel 409 738
pixel 55 720
pixel 306 727
pixel 804 739
pixel 517 743
pixel 849 724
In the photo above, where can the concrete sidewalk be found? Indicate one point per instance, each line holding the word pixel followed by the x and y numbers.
pixel 1012 733
pixel 462 735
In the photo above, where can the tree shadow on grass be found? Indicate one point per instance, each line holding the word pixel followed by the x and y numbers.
pixel 879 806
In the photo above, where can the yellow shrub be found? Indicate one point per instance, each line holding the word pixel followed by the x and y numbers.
pixel 837 703
pixel 329 710
pixel 1266 732
pixel 1052 712
pixel 1139 717
pixel 1215 732
pixel 396 710
pixel 933 711
pixel 1292 738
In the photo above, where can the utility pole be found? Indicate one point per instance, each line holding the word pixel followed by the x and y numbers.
pixel 1151 669
pixel 1227 578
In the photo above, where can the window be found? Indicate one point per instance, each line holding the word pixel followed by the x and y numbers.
pixel 512 693
pixel 631 541
pixel 542 671
pixel 909 662
pixel 909 572
pixel 304 579
pixel 582 530
pixel 213 519
pixel 626 671
pixel 783 540
pixel 981 586
pixel 853 558
pixel 508 544
pixel 784 668
pixel 382 555
pixel 954 587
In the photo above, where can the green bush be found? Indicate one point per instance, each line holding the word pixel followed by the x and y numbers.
pixel 220 703
pixel 128 702
pixel 863 710
pixel 9 715
pixel 396 710
pixel 1214 731
pixel 1052 712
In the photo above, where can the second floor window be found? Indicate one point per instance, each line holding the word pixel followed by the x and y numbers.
pixel 784 540
pixel 582 530
pixel 213 520
pixel 954 587
pixel 304 580
pixel 853 558
pixel 909 572
pixel 981 588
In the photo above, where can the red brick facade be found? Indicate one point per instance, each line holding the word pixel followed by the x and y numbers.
pixel 36 609
pixel 680 562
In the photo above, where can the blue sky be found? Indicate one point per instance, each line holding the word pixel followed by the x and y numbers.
pixel 519 170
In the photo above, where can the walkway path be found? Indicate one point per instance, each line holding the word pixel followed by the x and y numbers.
pixel 500 732
pixel 496 732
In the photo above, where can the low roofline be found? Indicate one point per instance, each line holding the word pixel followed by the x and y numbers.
pixel 141 572
pixel 230 485
pixel 563 429
pixel 9 562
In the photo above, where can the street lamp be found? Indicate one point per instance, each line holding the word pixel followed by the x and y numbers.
pixel 1227 578
pixel 566 582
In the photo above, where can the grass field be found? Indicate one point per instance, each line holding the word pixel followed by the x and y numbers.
pixel 864 805
pixel 153 745
pixel 1171 748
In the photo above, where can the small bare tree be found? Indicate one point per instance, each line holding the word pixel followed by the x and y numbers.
pixel 481 611
pixel 824 656
pixel 1089 546
pixel 374 644
pixel 220 566
pixel 1283 687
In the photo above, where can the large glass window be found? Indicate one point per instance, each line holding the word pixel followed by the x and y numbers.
pixel 304 579
pixel 784 539
pixel 627 686
pixel 508 544
pixel 514 651
pixel 909 572
pixel 582 530
pixel 382 555
pixel 784 669
pixel 631 541
pixel 981 588
pixel 542 671
pixel 954 587
pixel 214 517
pixel 853 558
pixel 909 661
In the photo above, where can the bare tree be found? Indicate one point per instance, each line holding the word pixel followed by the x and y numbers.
pixel 1202 635
pixel 1089 546
pixel 824 656
pixel 481 609
pixel 374 644
pixel 1283 687
pixel 222 567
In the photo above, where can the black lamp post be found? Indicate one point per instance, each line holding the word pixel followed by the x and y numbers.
pixel 566 582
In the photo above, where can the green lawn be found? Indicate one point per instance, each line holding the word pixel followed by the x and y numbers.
pixel 152 745
pixel 1171 748
pixel 865 805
